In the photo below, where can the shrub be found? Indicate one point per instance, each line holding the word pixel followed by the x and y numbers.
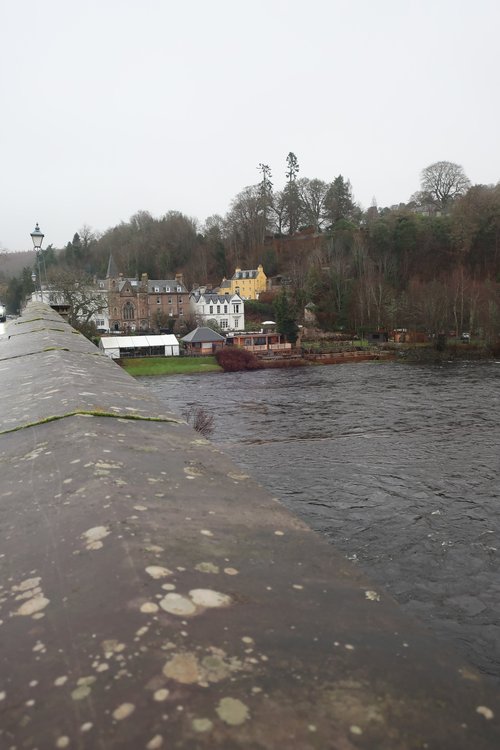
pixel 199 419
pixel 232 359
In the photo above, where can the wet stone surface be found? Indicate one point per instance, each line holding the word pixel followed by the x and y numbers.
pixel 152 595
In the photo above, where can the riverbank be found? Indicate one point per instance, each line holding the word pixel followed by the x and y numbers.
pixel 452 352
pixel 404 353
pixel 169 365
pixel 144 366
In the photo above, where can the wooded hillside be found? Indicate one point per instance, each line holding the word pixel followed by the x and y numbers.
pixel 430 263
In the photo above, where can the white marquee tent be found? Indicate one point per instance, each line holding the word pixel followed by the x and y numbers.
pixel 117 347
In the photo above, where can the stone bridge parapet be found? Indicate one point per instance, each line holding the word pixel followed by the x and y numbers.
pixel 154 596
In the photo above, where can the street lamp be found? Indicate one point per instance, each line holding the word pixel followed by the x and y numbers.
pixel 37 237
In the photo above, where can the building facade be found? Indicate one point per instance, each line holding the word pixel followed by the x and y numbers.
pixel 227 310
pixel 249 284
pixel 143 304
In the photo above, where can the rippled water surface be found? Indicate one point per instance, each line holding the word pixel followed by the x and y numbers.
pixel 397 465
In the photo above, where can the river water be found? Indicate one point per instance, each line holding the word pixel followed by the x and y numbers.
pixel 396 465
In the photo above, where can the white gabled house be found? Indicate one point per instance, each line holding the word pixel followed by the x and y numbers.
pixel 227 310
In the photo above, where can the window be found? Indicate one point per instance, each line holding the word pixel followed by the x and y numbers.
pixel 170 300
pixel 179 289
pixel 218 309
pixel 236 322
pixel 211 309
pixel 166 288
pixel 158 300
pixel 128 311
pixel 157 288
pixel 225 309
pixel 236 308
pixel 224 324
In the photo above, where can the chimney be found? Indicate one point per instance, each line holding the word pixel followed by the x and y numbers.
pixel 144 278
pixel 178 278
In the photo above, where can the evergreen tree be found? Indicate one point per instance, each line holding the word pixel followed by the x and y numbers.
pixel 265 192
pixel 291 195
pixel 286 322
pixel 338 202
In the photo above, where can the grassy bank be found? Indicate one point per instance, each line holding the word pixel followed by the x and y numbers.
pixel 169 365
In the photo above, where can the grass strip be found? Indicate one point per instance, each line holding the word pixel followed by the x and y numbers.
pixel 169 365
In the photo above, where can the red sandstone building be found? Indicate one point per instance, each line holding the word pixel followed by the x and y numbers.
pixel 143 304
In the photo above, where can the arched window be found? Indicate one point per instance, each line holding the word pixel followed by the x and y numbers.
pixel 128 311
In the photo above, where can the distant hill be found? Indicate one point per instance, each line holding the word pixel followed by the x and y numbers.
pixel 11 264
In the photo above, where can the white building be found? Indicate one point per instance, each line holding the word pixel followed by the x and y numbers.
pixel 118 347
pixel 227 310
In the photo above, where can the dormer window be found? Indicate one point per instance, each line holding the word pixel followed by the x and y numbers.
pixel 157 289
pixel 179 289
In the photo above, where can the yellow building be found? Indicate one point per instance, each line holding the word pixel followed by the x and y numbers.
pixel 248 284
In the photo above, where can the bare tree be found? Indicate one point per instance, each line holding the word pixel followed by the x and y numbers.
pixel 78 291
pixel 245 223
pixel 444 181
pixel 313 195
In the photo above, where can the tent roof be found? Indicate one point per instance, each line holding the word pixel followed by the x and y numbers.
pixel 136 342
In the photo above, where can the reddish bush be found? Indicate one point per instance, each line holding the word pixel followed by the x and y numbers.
pixel 232 359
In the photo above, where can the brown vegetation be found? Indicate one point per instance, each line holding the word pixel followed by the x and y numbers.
pixel 233 359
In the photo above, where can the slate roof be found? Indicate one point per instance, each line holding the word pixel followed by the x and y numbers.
pixel 214 299
pixel 172 284
pixel 203 335
pixel 250 274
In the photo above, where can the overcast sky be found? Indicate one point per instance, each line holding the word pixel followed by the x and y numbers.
pixel 108 107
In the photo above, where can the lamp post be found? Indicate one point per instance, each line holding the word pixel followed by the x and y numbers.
pixel 37 237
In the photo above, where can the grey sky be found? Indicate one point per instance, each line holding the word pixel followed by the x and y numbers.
pixel 113 106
